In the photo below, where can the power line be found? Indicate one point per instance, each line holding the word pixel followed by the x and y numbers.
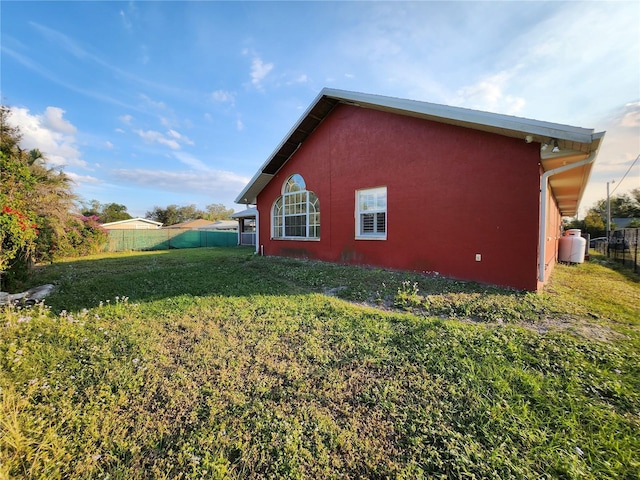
pixel 628 170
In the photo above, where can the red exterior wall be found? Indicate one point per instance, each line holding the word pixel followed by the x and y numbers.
pixel 553 233
pixel 452 193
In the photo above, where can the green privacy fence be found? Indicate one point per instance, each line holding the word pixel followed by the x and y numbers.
pixel 165 239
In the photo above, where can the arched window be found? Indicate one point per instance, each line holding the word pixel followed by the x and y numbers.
pixel 296 213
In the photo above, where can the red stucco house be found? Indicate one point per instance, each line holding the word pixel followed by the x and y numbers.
pixel 374 180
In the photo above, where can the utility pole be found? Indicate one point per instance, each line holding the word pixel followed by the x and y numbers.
pixel 609 211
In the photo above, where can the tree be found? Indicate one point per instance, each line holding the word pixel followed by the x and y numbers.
pixel 113 212
pixel 106 213
pixel 634 196
pixel 10 136
pixel 166 216
pixel 18 228
pixel 594 224
pixel 174 214
pixel 53 200
pixel 93 208
pixel 36 205
pixel 635 223
pixel 217 211
pixel 626 205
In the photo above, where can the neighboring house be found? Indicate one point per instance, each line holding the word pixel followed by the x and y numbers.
pixel 373 180
pixel 133 224
pixel 192 224
pixel 246 226
pixel 623 222
pixel 220 225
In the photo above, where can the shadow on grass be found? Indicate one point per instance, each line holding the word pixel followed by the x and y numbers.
pixel 149 276
pixel 227 271
pixel 615 264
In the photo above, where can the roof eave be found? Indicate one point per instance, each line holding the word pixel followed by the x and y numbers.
pixel 285 149
pixel 580 139
pixel 569 187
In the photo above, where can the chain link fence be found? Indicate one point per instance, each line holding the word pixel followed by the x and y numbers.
pixel 166 239
pixel 622 245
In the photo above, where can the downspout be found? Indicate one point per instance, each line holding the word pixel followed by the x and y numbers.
pixel 544 185
pixel 257 230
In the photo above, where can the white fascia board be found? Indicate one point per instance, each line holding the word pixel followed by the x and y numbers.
pixel 246 194
pixel 476 119
pixel 130 220
pixel 248 213
pixel 468 116
pixel 253 188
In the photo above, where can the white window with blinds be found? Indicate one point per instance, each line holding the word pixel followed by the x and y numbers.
pixel 371 214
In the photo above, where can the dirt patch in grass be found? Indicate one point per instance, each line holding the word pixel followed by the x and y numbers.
pixel 577 326
pixel 544 323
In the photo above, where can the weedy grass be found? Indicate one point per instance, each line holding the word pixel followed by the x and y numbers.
pixel 214 363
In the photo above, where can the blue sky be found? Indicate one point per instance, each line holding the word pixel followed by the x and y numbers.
pixel 157 103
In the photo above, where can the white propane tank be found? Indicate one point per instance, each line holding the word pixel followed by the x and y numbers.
pixel 571 247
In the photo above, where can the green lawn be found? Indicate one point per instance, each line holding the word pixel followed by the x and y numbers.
pixel 215 363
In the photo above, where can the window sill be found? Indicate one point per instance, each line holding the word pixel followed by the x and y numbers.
pixel 370 237
pixel 296 239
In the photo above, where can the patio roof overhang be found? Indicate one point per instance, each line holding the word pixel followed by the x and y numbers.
pixel 564 144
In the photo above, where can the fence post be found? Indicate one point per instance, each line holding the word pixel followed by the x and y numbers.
pixel 635 260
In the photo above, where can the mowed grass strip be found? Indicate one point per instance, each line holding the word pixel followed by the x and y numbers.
pixel 213 363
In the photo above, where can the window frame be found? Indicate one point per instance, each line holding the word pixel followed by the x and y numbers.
pixel 375 209
pixel 295 208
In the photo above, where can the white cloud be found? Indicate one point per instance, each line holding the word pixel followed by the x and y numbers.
pixel 152 103
pixel 59 38
pixel 239 125
pixel 80 179
pixel 181 138
pixel 302 78
pixel 223 96
pixel 145 58
pixel 619 149
pixel 126 23
pixel 126 119
pixel 108 144
pixel 52 119
pixel 152 136
pixel 171 139
pixel 490 94
pixel 191 161
pixel 259 70
pixel 51 134
pixel 193 181
pixel 631 116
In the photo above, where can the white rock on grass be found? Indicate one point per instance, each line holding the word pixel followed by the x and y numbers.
pixel 32 295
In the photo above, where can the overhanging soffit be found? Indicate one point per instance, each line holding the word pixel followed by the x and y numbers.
pixel 560 144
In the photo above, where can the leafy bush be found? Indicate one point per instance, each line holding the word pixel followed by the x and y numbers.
pixel 82 236
pixel 18 232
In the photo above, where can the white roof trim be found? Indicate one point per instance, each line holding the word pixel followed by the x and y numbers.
pixel 511 126
pixel 130 220
pixel 447 113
